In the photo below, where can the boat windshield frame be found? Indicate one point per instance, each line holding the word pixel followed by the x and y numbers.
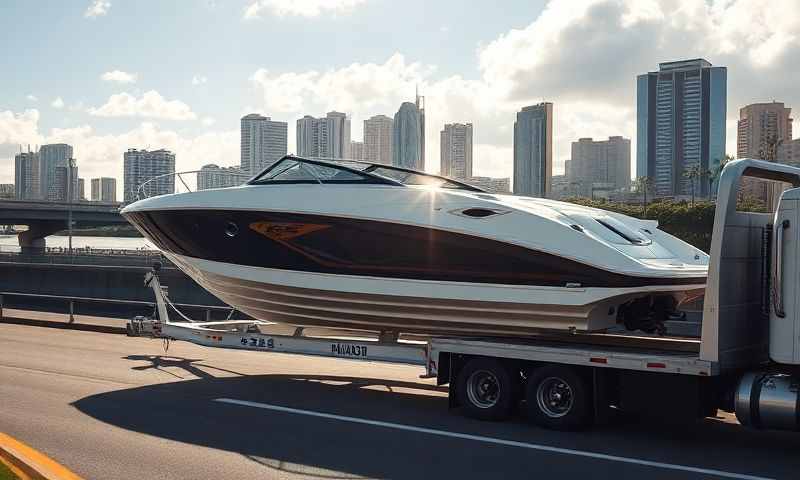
pixel 368 175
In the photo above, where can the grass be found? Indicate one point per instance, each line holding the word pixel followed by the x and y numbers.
pixel 5 473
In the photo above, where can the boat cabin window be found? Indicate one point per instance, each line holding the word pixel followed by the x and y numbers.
pixel 289 171
pixel 412 178
pixel 292 169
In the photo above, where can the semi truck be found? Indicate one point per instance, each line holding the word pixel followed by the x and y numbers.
pixel 743 360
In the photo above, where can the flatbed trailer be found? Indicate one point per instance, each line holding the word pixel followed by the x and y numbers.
pixel 745 360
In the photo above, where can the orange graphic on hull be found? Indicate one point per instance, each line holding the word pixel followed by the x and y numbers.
pixel 282 232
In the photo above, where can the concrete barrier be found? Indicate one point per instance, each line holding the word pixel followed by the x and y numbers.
pixel 30 464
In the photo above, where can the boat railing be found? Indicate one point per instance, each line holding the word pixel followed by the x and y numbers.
pixel 189 181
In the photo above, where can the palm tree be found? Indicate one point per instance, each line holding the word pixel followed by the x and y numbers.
pixel 642 185
pixel 693 173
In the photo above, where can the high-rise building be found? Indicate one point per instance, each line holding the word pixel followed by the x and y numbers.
pixel 761 131
pixel 602 164
pixel 64 184
pixel 141 166
pixel 761 126
pixel 490 184
pixel 533 150
pixel 680 124
pixel 212 176
pixel 263 142
pixel 6 191
pixel 560 187
pixel 790 152
pixel 51 157
pixel 456 150
pixel 378 135
pixel 104 189
pixel 326 137
pixel 357 151
pixel 81 189
pixel 27 181
pixel 408 144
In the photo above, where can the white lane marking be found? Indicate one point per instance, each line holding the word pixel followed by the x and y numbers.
pixel 496 441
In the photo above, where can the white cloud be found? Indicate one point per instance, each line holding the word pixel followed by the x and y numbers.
pixel 31 97
pixel 303 8
pixel 208 121
pixel 151 105
pixel 19 128
pixel 97 8
pixel 199 79
pixel 119 76
pixel 58 102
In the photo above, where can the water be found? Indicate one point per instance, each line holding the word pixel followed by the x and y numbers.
pixel 10 242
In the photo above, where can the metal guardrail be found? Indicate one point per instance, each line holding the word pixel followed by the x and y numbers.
pixel 223 180
pixel 112 260
pixel 72 301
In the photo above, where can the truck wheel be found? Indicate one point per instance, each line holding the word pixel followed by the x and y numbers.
pixel 486 389
pixel 558 398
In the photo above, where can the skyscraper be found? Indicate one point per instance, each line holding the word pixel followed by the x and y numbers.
pixel 378 136
pixel 104 189
pixel 409 138
pixel 326 137
pixel 27 183
pixel 680 123
pixel 456 150
pixel 357 151
pixel 790 152
pixel 81 189
pixel 490 184
pixel 64 183
pixel 533 150
pixel 761 131
pixel 141 165
pixel 212 176
pixel 7 191
pixel 603 163
pixel 263 142
pixel 763 126
pixel 51 157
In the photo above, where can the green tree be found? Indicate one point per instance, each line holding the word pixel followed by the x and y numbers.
pixel 643 185
pixel 692 174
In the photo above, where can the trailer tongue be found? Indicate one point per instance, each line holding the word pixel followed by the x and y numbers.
pixel 745 359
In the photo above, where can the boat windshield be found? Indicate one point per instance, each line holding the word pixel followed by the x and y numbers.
pixel 296 170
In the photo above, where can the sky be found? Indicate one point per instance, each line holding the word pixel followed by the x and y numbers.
pixel 108 75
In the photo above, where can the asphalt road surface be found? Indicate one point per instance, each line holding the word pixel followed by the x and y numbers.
pixel 112 407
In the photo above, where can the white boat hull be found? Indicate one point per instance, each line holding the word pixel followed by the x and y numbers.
pixel 411 306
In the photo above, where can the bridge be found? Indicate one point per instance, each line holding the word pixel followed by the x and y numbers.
pixel 47 218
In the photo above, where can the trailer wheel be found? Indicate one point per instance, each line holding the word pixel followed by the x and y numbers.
pixel 486 389
pixel 558 398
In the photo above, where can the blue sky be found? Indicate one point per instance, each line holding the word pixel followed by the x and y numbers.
pixel 109 75
pixel 58 52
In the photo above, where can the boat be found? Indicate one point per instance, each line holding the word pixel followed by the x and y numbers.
pixel 362 246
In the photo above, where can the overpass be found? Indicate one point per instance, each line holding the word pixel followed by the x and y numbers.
pixel 47 218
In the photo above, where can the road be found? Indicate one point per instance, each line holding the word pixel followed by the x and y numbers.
pixel 112 407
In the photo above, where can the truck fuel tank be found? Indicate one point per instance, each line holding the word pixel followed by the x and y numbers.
pixel 769 401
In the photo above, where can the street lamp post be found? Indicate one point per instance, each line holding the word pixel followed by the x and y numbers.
pixel 71 166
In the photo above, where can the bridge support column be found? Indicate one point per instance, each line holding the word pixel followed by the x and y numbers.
pixel 32 241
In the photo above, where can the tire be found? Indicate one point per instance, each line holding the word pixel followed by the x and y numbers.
pixel 558 398
pixel 486 389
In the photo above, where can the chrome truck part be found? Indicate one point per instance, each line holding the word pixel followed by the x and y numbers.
pixel 769 400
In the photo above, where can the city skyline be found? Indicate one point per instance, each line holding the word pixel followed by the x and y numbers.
pixel 495 62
